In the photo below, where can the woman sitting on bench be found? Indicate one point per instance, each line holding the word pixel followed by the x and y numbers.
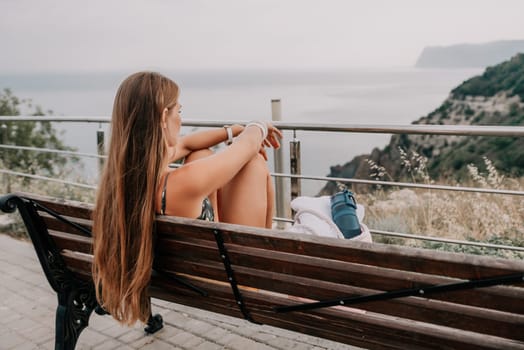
pixel 231 186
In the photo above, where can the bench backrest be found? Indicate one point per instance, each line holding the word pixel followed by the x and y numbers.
pixel 273 268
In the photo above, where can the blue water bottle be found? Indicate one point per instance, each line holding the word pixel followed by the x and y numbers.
pixel 344 213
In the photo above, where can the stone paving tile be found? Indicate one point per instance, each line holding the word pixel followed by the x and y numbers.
pixel 39 334
pixel 35 293
pixel 159 345
pixel 91 338
pixel 143 341
pixel 101 323
pixel 322 343
pixel 198 326
pixel 27 346
pixel 175 318
pixel 83 346
pixel 216 333
pixel 34 278
pixel 207 345
pixel 131 336
pixel 237 342
pixel 109 344
pixel 11 339
pixel 10 318
pixel 284 343
pixel 16 271
pixel 168 332
pixel 42 315
pixel 264 337
pixel 124 347
pixel 50 345
pixel 116 330
pixel 160 303
pixel 15 301
pixel 23 323
pixel 186 340
pixel 5 311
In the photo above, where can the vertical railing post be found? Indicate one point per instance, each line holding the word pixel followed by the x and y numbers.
pixel 3 134
pixel 5 177
pixel 295 166
pixel 100 146
pixel 276 115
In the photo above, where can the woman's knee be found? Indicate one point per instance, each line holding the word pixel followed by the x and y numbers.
pixel 257 164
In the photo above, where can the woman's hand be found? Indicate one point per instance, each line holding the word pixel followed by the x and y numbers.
pixel 272 140
pixel 273 136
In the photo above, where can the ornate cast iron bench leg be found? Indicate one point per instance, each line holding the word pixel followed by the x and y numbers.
pixel 76 298
pixel 72 314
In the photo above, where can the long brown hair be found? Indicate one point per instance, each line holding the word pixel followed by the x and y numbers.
pixel 124 213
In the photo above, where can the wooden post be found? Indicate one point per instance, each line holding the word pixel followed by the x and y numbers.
pixel 295 166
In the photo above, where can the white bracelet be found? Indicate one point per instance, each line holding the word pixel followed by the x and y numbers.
pixel 229 133
pixel 261 126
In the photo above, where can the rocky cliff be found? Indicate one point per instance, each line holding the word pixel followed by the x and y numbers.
pixel 494 98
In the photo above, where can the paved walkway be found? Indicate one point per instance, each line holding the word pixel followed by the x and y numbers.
pixel 27 316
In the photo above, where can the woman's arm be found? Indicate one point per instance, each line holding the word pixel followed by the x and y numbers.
pixel 203 139
pixel 208 174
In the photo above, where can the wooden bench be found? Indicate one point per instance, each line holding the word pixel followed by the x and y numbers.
pixel 388 297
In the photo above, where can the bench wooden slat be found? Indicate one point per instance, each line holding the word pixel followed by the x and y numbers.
pixel 57 225
pixel 455 317
pixel 80 261
pixel 72 242
pixel 444 313
pixel 63 206
pixel 394 257
pixel 274 268
pixel 473 319
pixel 360 279
pixel 501 298
pixel 347 324
pixel 253 277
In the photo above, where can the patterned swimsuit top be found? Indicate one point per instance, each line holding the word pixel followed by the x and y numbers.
pixel 207 209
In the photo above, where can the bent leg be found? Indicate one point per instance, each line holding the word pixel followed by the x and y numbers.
pixel 246 199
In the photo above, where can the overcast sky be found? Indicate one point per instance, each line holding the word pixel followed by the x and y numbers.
pixel 94 35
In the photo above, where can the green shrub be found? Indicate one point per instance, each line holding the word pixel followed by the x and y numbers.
pixel 507 76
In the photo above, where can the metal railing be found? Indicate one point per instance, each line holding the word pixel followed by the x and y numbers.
pixel 460 130
pixel 295 159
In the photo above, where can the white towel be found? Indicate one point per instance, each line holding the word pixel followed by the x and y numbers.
pixel 313 216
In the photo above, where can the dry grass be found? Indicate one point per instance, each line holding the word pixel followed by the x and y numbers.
pixel 479 217
pixel 12 224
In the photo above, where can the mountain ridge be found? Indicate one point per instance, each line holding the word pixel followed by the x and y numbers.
pixel 495 97
pixel 469 55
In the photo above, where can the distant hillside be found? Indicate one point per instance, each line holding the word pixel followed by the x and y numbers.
pixel 494 98
pixel 469 55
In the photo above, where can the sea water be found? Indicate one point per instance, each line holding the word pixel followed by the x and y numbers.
pixel 359 96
